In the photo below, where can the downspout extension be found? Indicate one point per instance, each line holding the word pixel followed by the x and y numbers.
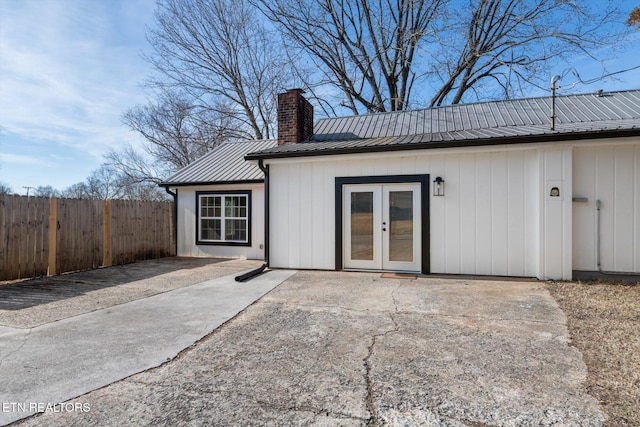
pixel 253 273
pixel 598 266
pixel 175 216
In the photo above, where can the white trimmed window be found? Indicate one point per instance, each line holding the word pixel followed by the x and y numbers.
pixel 223 218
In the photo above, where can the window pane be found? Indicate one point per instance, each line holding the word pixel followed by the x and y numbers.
pixel 217 206
pixel 362 226
pixel 210 206
pixel 229 204
pixel 210 229
pixel 401 227
pixel 236 206
pixel 236 229
pixel 205 202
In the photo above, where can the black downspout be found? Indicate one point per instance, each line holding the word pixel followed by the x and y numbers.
pixel 175 216
pixel 253 273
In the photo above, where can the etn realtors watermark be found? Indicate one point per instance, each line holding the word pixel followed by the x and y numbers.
pixel 31 407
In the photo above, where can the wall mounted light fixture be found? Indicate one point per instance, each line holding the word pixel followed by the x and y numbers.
pixel 438 187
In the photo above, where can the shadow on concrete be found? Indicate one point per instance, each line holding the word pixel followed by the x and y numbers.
pixel 43 290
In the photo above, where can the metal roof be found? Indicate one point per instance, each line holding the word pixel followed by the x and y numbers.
pixel 496 122
pixel 224 164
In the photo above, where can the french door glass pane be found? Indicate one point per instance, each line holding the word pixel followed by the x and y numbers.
pixel 362 226
pixel 401 226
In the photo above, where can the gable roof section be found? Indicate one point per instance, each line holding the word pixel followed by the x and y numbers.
pixel 487 123
pixel 224 164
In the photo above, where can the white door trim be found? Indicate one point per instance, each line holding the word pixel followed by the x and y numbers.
pixel 379 257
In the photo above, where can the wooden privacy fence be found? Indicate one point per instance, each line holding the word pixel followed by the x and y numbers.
pixel 46 236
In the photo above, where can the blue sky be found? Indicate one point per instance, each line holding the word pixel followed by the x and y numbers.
pixel 70 68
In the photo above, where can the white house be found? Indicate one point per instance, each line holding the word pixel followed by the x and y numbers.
pixel 481 189
pixel 220 203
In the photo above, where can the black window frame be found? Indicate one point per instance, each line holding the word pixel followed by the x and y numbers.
pixel 223 193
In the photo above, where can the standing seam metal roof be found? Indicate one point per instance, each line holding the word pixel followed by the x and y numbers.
pixel 579 115
pixel 225 163
pixel 519 112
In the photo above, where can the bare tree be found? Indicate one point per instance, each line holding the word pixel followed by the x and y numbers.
pixel 366 48
pixel 46 191
pixel 383 55
pixel 634 18
pixel 106 183
pixel 79 190
pixel 515 42
pixel 136 167
pixel 101 184
pixel 176 133
pixel 218 53
pixel 5 189
pixel 133 190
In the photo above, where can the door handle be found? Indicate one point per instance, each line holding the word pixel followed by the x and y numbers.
pixel 384 226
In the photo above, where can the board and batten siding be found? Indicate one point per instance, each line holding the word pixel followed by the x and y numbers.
pixel 187 222
pixel 610 174
pixel 487 223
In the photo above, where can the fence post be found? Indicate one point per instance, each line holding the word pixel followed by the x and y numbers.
pixel 53 236
pixel 106 234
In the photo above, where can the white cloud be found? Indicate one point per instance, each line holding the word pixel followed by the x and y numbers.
pixel 69 69
pixel 22 159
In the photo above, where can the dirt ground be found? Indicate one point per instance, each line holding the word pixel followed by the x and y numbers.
pixel 604 325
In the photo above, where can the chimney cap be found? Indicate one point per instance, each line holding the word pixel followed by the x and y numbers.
pixel 296 89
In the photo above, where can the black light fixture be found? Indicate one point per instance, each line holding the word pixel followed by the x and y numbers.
pixel 438 187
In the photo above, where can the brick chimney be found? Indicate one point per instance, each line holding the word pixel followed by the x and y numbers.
pixel 295 117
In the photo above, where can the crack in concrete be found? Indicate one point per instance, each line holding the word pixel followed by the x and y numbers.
pixel 303 408
pixel 374 418
pixel 24 341
pixel 373 413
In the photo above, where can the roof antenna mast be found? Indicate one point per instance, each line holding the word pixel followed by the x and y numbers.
pixel 554 80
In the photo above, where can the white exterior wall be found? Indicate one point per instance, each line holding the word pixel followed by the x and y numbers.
pixel 556 213
pixel 610 174
pixel 187 224
pixel 488 222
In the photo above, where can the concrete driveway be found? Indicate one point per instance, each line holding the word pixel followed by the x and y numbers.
pixel 327 348
pixel 60 360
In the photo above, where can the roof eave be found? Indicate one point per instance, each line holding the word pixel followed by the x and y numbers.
pixel 507 140
pixel 196 183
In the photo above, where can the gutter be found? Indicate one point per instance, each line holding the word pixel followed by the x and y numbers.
pixel 196 183
pixel 253 273
pixel 175 216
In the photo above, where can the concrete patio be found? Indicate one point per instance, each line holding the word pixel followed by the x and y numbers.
pixel 338 348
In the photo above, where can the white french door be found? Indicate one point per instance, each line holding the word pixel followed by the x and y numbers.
pixel 382 227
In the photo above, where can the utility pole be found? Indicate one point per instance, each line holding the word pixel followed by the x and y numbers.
pixel 28 188
pixel 554 80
